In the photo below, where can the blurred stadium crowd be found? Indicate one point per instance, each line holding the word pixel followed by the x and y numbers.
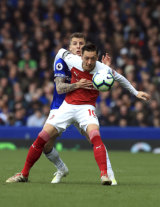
pixel 31 32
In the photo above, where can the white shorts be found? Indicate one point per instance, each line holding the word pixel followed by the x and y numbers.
pixel 52 114
pixel 67 114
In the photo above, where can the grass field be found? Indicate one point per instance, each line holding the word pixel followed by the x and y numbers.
pixel 138 177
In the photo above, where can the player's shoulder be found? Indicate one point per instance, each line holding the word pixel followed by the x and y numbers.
pixel 60 64
pixel 100 66
pixel 61 61
pixel 75 60
pixel 73 57
pixel 68 56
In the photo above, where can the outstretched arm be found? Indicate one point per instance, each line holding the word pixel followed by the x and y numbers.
pixel 63 87
pixel 126 84
pixel 106 59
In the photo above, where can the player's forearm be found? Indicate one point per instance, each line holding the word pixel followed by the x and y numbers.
pixel 125 83
pixel 65 87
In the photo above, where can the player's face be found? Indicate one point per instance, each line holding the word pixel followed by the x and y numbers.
pixel 89 60
pixel 76 45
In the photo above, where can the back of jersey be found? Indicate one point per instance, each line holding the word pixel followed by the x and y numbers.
pixel 60 70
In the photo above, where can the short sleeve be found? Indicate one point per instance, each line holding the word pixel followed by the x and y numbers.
pixel 69 58
pixel 60 68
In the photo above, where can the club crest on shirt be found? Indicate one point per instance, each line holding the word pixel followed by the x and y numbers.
pixel 59 66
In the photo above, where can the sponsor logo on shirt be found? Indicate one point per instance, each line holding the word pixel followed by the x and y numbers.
pixel 59 66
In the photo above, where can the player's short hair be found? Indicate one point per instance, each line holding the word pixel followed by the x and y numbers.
pixel 77 35
pixel 90 47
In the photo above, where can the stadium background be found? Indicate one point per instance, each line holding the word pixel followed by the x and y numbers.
pixel 31 32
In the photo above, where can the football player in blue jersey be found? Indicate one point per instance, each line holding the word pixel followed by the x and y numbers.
pixel 62 79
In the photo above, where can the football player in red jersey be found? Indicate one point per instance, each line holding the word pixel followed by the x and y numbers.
pixel 77 40
pixel 79 108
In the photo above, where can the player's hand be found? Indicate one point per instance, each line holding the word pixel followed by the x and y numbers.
pixel 84 83
pixel 106 59
pixel 143 95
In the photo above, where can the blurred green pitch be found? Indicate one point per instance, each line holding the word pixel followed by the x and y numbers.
pixel 138 177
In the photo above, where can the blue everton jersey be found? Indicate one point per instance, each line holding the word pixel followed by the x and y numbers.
pixel 60 70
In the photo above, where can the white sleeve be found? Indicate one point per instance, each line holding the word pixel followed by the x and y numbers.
pixel 125 83
pixel 59 55
pixel 69 58
pixel 104 66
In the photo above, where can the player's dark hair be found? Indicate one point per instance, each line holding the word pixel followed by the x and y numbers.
pixel 77 35
pixel 90 47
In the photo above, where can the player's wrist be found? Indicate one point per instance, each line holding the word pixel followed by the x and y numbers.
pixel 76 85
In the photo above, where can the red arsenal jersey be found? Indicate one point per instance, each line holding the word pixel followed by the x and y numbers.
pixel 74 63
pixel 81 96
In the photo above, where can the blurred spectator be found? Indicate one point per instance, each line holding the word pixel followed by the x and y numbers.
pixel 20 115
pixel 112 119
pixel 36 120
pixel 123 122
pixel 124 113
pixel 141 119
pixel 104 112
pixel 27 63
pixel 11 119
